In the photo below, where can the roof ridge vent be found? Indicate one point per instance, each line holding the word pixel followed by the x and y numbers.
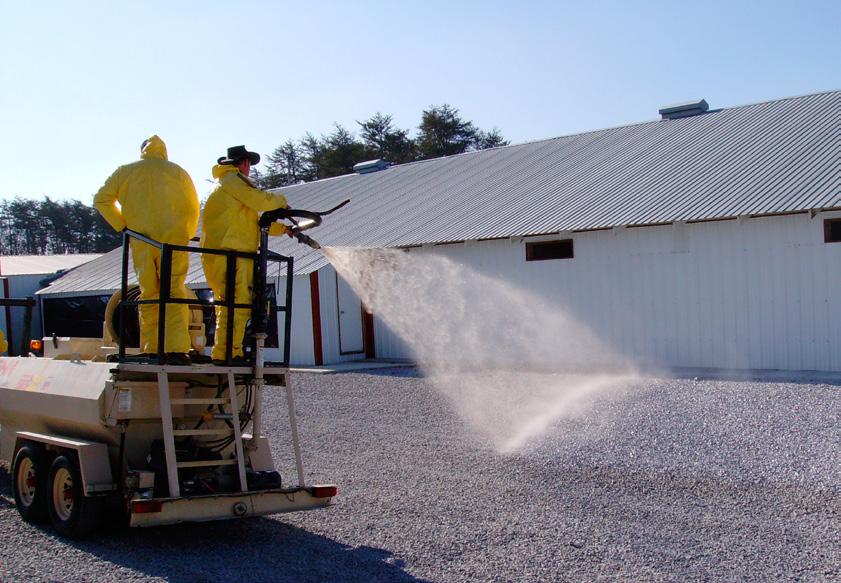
pixel 370 166
pixel 685 109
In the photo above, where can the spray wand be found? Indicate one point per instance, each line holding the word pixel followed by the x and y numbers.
pixel 305 239
pixel 301 219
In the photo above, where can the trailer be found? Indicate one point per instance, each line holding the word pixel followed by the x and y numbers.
pixel 95 432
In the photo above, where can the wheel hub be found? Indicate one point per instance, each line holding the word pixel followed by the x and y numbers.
pixel 26 482
pixel 63 494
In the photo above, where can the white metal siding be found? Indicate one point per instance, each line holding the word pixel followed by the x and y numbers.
pixel 750 294
pixel 301 351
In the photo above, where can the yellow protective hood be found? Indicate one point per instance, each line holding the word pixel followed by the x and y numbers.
pixel 154 148
pixel 220 170
pixel 152 196
pixel 232 211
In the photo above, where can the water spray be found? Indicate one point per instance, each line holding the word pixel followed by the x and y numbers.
pixel 511 363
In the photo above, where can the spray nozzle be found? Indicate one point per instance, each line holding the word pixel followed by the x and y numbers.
pixel 306 240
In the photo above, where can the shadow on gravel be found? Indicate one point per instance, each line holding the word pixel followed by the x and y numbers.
pixel 258 549
pixel 252 550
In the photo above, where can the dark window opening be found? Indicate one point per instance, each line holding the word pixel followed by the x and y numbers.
pixel 549 250
pixel 81 317
pixel 832 230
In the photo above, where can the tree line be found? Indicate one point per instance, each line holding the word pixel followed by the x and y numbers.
pixel 442 132
pixel 45 227
pixel 40 227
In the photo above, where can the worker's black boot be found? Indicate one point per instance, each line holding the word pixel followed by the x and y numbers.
pixel 235 361
pixel 199 358
pixel 178 359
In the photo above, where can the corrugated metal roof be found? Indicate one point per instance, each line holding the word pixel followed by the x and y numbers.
pixel 42 264
pixel 103 276
pixel 766 158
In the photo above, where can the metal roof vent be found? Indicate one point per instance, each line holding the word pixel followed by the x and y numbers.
pixel 370 166
pixel 687 109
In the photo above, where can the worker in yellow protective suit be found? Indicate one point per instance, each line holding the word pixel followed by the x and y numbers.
pixel 230 222
pixel 156 198
pixel 4 346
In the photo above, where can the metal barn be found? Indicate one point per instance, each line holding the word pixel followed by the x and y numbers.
pixel 704 238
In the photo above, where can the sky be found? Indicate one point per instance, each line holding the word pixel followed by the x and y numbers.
pixel 83 83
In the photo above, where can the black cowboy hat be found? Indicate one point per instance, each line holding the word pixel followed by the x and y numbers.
pixel 237 154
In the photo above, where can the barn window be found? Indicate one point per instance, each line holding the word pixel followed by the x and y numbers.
pixel 549 250
pixel 832 230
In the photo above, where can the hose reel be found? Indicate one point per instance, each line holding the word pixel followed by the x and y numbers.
pixel 132 321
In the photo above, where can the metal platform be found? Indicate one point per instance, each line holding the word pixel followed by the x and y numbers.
pixel 268 369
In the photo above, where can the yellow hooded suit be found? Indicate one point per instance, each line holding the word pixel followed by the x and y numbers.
pixel 229 221
pixel 156 198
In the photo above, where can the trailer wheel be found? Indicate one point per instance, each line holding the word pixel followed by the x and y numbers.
pixel 72 513
pixel 29 483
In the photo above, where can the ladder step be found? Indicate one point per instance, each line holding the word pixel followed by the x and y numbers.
pixel 206 463
pixel 199 401
pixel 177 432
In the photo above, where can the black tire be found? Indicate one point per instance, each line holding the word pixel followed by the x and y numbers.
pixel 73 514
pixel 30 490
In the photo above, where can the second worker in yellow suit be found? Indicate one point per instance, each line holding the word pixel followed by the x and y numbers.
pixel 156 198
pixel 230 222
pixel 4 346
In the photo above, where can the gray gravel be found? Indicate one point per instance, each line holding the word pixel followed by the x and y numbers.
pixel 682 480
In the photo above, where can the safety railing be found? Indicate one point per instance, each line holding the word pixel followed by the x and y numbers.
pixel 28 304
pixel 258 308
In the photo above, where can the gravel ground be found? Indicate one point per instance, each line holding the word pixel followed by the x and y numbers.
pixel 681 480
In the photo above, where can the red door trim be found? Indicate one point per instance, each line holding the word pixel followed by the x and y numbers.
pixel 368 339
pixel 315 301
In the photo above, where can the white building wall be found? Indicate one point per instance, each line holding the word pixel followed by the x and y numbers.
pixel 301 350
pixel 750 294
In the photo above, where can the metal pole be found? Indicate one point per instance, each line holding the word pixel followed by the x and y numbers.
pixel 27 328
pixel 232 393
pixel 293 425
pixel 287 323
pixel 230 283
pixel 166 285
pixel 259 382
pixel 121 320
pixel 258 328
pixel 169 437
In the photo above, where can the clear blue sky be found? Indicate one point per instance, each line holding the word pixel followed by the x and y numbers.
pixel 84 82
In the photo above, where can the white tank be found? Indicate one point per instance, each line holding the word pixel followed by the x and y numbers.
pixel 82 400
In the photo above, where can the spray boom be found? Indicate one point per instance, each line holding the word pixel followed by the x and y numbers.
pixel 301 221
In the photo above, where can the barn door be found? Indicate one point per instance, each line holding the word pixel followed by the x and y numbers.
pixel 350 319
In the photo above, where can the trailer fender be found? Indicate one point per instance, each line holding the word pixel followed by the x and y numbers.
pixel 93 459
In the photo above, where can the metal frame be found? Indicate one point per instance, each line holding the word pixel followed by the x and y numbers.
pixel 26 333
pixel 257 307
pixel 257 367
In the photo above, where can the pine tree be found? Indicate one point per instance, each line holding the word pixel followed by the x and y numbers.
pixel 383 141
pixel 442 132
